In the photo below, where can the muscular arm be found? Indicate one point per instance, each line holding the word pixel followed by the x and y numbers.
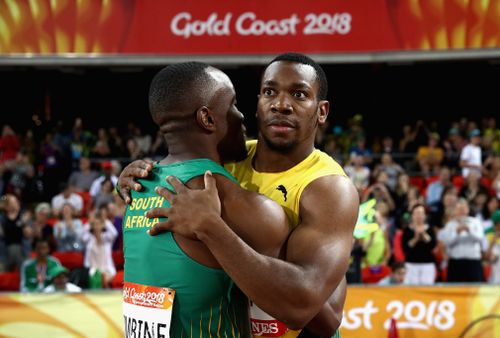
pixel 328 320
pixel 318 250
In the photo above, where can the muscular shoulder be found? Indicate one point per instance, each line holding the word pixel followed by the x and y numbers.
pixel 333 198
pixel 258 220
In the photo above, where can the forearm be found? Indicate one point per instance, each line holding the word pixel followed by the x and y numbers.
pixel 328 320
pixel 280 288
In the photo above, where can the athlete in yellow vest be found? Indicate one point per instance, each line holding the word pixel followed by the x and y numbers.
pixel 296 290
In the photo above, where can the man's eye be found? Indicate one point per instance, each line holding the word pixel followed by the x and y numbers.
pixel 268 91
pixel 300 95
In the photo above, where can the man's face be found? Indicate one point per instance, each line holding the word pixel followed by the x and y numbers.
pixel 42 249
pixel 230 128
pixel 288 110
pixel 399 275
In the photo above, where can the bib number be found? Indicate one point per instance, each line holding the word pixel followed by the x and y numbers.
pixel 147 310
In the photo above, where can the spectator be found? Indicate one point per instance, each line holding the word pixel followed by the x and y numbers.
pixel 98 236
pixel 106 195
pixel 115 211
pixel 107 168
pixel 391 168
pixel 493 252
pixel 40 227
pixel 453 146
pixel 34 271
pixel 22 175
pixel 101 148
pixel 59 281
pixel 360 148
pixel 462 237
pixel 419 242
pixel 68 230
pixel 397 276
pixel 436 188
pixel 116 143
pixel 430 156
pixel 81 180
pixel 14 233
pixel 471 155
pixel 9 144
pixel 358 172
pixel 444 210
pixel 66 196
pixel 472 187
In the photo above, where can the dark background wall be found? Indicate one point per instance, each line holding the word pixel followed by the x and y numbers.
pixel 387 95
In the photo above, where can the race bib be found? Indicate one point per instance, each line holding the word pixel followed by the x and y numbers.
pixel 263 325
pixel 147 310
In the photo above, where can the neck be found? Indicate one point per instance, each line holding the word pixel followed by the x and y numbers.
pixel 185 147
pixel 41 260
pixel 270 160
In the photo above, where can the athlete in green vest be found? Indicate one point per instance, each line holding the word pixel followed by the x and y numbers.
pixel 193 104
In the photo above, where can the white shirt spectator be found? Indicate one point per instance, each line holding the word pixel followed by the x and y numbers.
pixel 59 200
pixel 472 155
pixel 100 255
pixel 466 244
pixel 96 185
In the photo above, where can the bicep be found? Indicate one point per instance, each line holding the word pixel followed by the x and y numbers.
pixel 323 240
pixel 257 220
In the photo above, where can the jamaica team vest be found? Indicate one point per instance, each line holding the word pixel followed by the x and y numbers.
pixel 285 188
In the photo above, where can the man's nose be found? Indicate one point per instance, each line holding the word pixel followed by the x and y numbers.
pixel 282 104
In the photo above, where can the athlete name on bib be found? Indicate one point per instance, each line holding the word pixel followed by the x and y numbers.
pixel 147 310
pixel 263 325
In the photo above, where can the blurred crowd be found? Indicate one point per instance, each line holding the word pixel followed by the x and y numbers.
pixel 437 191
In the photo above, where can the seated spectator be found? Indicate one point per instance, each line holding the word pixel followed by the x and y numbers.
pixel 14 233
pixel 419 242
pixel 443 212
pixel 22 175
pixel 360 148
pixel 391 168
pixel 34 275
pixel 472 187
pixel 453 145
pixel 68 230
pixel 397 276
pixel 105 195
pixel 98 236
pixel 436 188
pixel 59 281
pixel 81 180
pixel 493 252
pixel 358 172
pixel 40 227
pixel 66 196
pixel 379 192
pixel 430 156
pixel 463 236
pixel 9 144
pixel 101 148
pixel 107 168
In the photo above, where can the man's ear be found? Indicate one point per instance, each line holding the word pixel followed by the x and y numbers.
pixel 323 110
pixel 205 118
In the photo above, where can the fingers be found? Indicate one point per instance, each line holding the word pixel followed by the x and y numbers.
pixel 210 182
pixel 165 193
pixel 157 213
pixel 176 183
pixel 125 194
pixel 159 228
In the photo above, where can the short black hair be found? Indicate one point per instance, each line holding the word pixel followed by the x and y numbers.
pixel 396 265
pixel 174 86
pixel 303 59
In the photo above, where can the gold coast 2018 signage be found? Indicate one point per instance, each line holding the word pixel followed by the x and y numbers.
pixel 218 27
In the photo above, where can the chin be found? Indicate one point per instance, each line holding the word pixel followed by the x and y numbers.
pixel 280 146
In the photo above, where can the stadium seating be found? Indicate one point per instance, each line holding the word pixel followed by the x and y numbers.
pixel 373 274
pixel 71 259
pixel 9 281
